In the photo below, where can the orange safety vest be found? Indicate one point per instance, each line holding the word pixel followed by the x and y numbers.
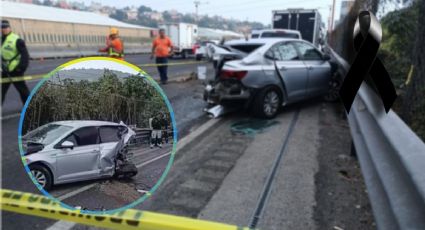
pixel 116 49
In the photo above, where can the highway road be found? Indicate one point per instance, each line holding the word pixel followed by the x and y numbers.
pixel 292 172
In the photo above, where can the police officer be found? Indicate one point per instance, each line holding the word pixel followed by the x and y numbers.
pixel 15 60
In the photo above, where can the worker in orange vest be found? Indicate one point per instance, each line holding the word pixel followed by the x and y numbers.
pixel 114 45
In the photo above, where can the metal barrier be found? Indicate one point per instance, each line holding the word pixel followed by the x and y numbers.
pixel 143 136
pixel 392 160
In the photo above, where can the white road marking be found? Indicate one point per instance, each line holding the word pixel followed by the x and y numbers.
pixel 61 225
pixel 153 160
pixel 75 192
pixel 7 117
pixel 201 129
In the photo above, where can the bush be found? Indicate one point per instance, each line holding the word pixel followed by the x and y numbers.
pixel 132 100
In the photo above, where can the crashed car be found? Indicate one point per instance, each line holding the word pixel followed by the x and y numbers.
pixel 69 151
pixel 264 74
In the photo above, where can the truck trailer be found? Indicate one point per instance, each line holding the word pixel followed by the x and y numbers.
pixel 307 21
pixel 183 36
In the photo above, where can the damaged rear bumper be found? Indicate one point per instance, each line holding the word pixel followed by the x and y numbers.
pixel 226 92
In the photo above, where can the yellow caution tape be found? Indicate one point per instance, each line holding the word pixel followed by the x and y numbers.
pixel 36 205
pixel 35 77
pixel 173 64
pixel 24 78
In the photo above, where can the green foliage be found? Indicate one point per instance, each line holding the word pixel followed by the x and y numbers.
pixel 132 100
pixel 399 35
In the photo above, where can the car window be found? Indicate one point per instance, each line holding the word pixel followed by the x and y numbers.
pixel 283 52
pixel 86 136
pixel 109 134
pixel 308 52
pixel 255 35
pixel 72 139
pixel 246 48
pixel 279 34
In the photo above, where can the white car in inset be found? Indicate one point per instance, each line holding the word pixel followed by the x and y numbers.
pixel 69 151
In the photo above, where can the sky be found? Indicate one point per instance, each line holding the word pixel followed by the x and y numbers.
pixel 102 64
pixel 252 10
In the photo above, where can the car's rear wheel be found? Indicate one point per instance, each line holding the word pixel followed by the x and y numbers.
pixel 42 175
pixel 267 103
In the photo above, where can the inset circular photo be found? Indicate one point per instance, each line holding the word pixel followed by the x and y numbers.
pixel 98 135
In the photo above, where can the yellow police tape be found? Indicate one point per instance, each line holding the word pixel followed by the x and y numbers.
pixel 24 78
pixel 173 64
pixel 35 77
pixel 36 205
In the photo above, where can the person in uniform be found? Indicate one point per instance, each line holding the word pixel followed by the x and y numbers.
pixel 15 60
pixel 162 48
pixel 114 45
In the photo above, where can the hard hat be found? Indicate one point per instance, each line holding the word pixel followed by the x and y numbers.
pixel 113 30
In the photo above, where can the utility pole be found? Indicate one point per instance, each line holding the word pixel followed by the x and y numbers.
pixel 197 6
pixel 197 3
pixel 333 15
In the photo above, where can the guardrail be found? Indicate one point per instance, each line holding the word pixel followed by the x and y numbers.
pixel 392 160
pixel 143 136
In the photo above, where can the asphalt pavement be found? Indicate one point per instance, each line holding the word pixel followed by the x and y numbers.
pixel 227 169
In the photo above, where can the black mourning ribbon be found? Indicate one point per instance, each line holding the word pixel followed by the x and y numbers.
pixel 367 39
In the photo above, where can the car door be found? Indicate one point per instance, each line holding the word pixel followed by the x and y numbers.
pixel 110 144
pixel 82 161
pixel 291 69
pixel 319 70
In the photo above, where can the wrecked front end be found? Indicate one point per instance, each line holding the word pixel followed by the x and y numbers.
pixel 115 159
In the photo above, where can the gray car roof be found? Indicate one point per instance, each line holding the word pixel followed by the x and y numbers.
pixel 259 40
pixel 84 123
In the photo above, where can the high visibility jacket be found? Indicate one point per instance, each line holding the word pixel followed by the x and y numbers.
pixel 9 52
pixel 116 49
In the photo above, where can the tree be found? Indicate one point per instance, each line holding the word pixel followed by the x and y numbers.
pixel 47 3
pixel 167 16
pixel 142 9
pixel 414 103
pixel 120 15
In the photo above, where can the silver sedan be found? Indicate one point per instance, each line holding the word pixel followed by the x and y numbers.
pixel 68 151
pixel 264 74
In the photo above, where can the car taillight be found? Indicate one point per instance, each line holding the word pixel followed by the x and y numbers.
pixel 233 74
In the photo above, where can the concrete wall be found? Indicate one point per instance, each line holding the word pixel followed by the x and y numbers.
pixel 46 39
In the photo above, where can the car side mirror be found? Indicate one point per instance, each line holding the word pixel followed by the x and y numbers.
pixel 326 57
pixel 67 145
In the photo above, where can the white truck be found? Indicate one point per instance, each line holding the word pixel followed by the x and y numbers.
pixel 307 21
pixel 183 36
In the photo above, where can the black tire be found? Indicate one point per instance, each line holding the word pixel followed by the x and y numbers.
pixel 270 95
pixel 184 54
pixel 198 57
pixel 42 175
